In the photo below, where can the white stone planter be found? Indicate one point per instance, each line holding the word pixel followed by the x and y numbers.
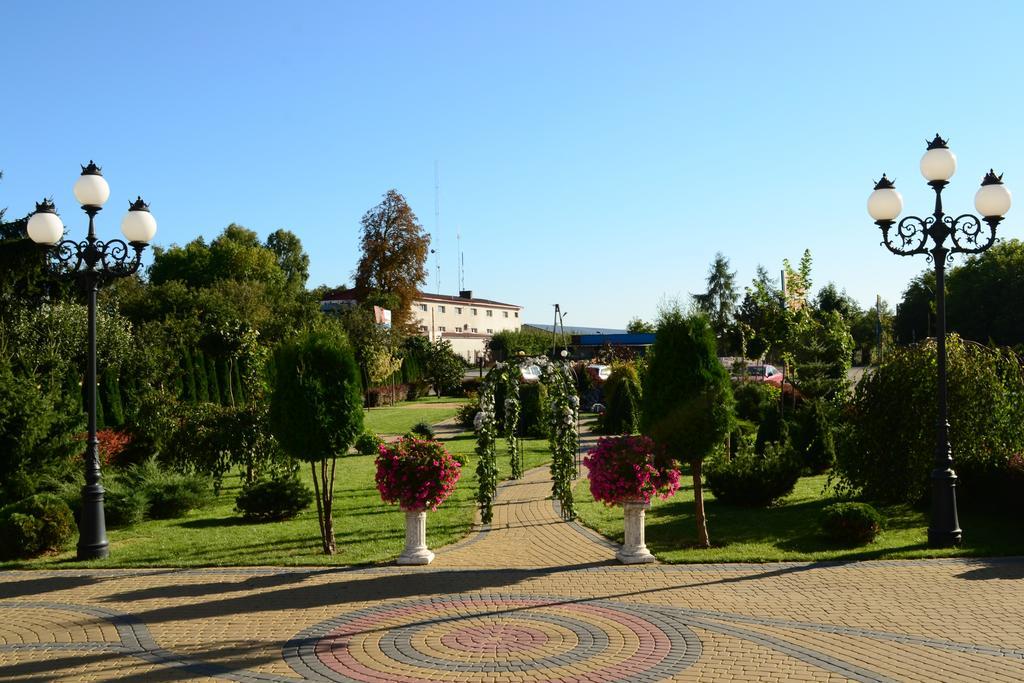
pixel 416 550
pixel 634 550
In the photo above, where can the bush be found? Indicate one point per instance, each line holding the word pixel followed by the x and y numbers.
pixel 422 430
pixel 417 389
pixel 273 500
pixel 533 411
pixel 773 429
pixel 368 443
pixel 622 401
pixel 471 386
pixel 386 395
pixel 467 414
pixel 124 507
pixel 815 442
pixel 887 449
pixel 742 437
pixel 851 523
pixel 169 494
pixel 35 525
pixel 174 494
pixel 751 480
pixel 754 400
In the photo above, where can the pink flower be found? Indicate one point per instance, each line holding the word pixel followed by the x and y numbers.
pixel 628 468
pixel 416 473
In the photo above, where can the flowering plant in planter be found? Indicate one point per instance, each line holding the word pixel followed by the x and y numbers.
pixel 630 469
pixel 416 474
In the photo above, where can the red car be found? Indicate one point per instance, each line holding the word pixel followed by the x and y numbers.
pixel 764 373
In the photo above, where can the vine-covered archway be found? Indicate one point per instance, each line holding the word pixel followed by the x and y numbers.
pixel 564 407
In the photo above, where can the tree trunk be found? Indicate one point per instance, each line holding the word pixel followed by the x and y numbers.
pixel 698 502
pixel 327 491
pixel 319 507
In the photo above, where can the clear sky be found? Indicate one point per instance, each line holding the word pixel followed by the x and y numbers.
pixel 594 154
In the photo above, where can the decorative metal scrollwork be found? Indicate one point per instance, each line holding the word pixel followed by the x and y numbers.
pixel 910 237
pixel 968 234
pixel 95 260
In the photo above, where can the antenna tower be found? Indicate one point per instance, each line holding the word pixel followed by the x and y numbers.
pixel 437 221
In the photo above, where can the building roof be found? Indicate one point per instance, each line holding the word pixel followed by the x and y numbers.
pixel 356 295
pixel 449 298
pixel 572 330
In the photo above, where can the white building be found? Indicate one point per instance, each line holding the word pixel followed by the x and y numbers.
pixel 466 322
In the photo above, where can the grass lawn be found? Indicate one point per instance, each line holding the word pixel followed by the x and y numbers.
pixel 400 418
pixel 790 530
pixel 367 530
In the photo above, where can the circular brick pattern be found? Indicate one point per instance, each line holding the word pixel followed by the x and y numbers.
pixel 498 637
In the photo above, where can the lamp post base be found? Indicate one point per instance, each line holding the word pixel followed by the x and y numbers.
pixel 944 528
pixel 92 528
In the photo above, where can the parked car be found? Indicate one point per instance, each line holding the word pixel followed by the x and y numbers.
pixel 764 373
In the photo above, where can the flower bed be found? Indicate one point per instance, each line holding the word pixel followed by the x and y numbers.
pixel 416 474
pixel 630 468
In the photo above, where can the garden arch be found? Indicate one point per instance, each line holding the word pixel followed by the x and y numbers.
pixel 563 404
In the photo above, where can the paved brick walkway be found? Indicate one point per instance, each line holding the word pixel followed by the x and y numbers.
pixel 528 599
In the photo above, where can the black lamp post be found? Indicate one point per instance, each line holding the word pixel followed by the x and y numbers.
pixel 92 263
pixel 966 235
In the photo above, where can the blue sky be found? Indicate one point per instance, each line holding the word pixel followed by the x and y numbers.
pixel 591 154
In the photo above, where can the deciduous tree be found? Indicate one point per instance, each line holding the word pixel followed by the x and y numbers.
pixel 394 257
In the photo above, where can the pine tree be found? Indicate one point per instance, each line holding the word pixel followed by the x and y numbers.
pixel 719 301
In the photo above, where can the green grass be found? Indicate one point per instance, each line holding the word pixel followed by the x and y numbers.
pixel 790 530
pixel 367 530
pixel 401 418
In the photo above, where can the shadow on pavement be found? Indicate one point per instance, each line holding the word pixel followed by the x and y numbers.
pixel 1006 569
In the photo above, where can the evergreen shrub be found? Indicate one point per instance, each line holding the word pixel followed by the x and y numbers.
pixel 751 480
pixel 467 414
pixel 174 494
pixel 368 443
pixel 622 401
pixel 815 442
pixel 35 525
pixel 772 429
pixel 124 507
pixel 422 430
pixel 754 400
pixel 851 523
pixel 273 500
pixel 533 411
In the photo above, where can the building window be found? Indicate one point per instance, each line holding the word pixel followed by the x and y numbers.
pixel 505 313
pixel 465 328
pixel 490 313
pixel 458 310
pixel 517 314
pixel 473 311
pixel 423 329
pixel 490 331
pixel 423 307
pixel 440 309
pixel 442 329
pixel 474 329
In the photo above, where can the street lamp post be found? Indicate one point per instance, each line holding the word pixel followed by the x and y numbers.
pixel 966 235
pixel 92 263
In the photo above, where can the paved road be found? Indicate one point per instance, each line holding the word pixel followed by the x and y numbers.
pixel 530 598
